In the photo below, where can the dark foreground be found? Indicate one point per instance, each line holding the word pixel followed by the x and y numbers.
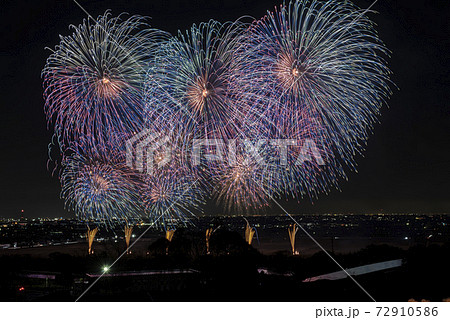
pixel 233 271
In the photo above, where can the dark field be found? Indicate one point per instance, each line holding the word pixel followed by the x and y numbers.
pixel 48 260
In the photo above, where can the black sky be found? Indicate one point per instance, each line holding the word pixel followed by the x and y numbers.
pixel 406 167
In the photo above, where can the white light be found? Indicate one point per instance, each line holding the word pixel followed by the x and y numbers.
pixel 105 269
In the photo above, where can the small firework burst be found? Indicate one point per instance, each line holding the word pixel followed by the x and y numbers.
pixel 99 188
pixel 170 196
pixel 314 70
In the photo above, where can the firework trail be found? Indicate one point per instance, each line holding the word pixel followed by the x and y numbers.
pixel 93 79
pixel 314 71
pixel 98 187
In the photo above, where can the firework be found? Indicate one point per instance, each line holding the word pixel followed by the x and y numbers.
pixel 170 196
pixel 93 79
pixel 99 188
pixel 90 235
pixel 249 233
pixel 189 95
pixel 190 83
pixel 128 230
pixel 292 231
pixel 314 71
pixel 308 80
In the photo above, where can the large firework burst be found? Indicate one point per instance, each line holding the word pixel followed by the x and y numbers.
pixel 314 70
pixel 93 79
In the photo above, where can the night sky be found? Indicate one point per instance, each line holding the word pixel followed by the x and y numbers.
pixel 406 166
